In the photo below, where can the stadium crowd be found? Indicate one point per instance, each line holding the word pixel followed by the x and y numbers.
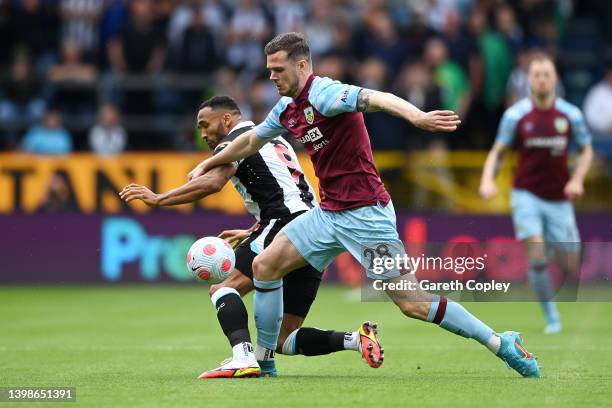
pixel 111 75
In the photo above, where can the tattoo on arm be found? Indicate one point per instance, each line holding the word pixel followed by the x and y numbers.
pixel 363 100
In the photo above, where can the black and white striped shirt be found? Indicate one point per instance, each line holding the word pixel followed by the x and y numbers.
pixel 271 182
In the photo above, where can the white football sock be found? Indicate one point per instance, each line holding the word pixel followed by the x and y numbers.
pixel 263 354
pixel 243 352
pixel 494 343
pixel 351 341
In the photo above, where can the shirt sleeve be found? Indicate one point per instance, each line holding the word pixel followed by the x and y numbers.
pixel 271 127
pixel 223 146
pixel 580 132
pixel 507 129
pixel 332 98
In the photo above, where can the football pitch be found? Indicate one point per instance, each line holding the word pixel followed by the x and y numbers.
pixel 144 346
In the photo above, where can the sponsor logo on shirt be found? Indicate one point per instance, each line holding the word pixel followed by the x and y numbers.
pixel 314 135
pixel 556 144
pixel 309 113
pixel 345 94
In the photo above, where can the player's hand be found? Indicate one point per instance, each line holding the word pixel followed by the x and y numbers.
pixel 235 237
pixel 138 192
pixel 487 189
pixel 438 121
pixel 573 189
pixel 196 172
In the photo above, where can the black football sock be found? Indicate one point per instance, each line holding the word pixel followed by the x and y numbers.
pixel 233 316
pixel 309 341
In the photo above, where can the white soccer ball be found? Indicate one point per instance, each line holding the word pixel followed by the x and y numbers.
pixel 211 259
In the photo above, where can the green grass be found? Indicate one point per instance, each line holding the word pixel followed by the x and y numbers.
pixel 144 346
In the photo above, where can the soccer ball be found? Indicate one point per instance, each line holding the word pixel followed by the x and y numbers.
pixel 211 259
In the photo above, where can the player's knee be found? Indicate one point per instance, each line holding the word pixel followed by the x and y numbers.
pixel 262 269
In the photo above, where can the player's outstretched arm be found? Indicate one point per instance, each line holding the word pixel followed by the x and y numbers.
pixel 435 121
pixel 488 187
pixel 243 146
pixel 575 186
pixel 196 189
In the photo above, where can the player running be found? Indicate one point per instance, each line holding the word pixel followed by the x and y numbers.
pixel 325 116
pixel 541 128
pixel 275 191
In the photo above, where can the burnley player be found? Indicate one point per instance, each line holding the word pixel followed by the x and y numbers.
pixel 356 210
pixel 275 191
pixel 541 128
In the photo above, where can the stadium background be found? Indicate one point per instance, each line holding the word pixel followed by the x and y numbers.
pixel 97 94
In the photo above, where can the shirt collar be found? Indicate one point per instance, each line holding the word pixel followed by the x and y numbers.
pixel 304 93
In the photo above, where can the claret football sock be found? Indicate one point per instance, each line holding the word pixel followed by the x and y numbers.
pixel 310 341
pixel 456 319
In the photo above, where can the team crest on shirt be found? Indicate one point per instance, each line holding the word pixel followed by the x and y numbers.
pixel 309 113
pixel 561 125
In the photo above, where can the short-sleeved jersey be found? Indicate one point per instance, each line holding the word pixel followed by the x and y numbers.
pixel 542 139
pixel 271 182
pixel 325 120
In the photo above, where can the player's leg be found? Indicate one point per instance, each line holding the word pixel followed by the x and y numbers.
pixel 269 267
pixel 233 319
pixel 563 243
pixel 232 314
pixel 299 291
pixel 365 227
pixel 528 219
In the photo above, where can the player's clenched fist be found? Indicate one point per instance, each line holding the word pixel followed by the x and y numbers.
pixel 488 189
pixel 438 121
pixel 139 192
pixel 573 189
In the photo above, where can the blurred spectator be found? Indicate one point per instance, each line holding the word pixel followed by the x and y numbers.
pixel 289 15
pixel 36 24
pixel 197 53
pixel 463 48
pixel 417 87
pixel 449 76
pixel 74 81
pixel 497 63
pixel 140 45
pixel 113 18
pixel 319 28
pixel 387 132
pixel 248 28
pixel 139 48
pixel 508 27
pixel 164 9
pixel 48 138
pixel 598 106
pixel 333 66
pixel 210 12
pixel 80 23
pixel 21 92
pixel 418 33
pixel 6 33
pixel 108 136
pixel 380 39
pixel 59 197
